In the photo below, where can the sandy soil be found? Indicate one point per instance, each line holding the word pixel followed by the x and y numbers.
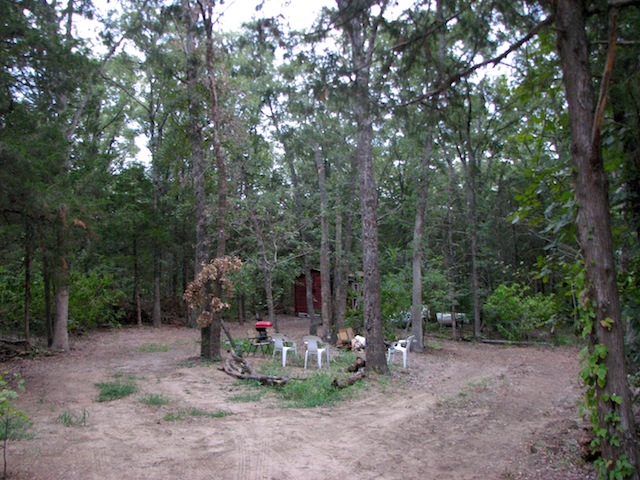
pixel 460 411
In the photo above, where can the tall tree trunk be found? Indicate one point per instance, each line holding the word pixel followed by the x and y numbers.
pixel 267 271
pixel 308 284
pixel 594 230
pixel 136 283
pixel 344 242
pixel 339 273
pixel 47 274
pixel 418 232
pixel 212 331
pixel 470 164
pixel 60 340
pixel 60 337
pixel 361 32
pixel 28 253
pixel 449 249
pixel 325 262
pixel 198 162
pixel 157 306
pixel 473 234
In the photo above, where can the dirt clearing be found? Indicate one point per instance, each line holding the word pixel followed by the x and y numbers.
pixel 460 411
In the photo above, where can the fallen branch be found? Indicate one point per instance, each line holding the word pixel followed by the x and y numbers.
pixel 239 368
pixel 359 375
pixel 514 343
pixel 13 348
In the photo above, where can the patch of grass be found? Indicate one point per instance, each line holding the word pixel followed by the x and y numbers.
pixel 246 397
pixel 196 362
pixel 152 347
pixel 196 412
pixel 73 419
pixel 155 399
pixel 121 388
pixel 193 412
pixel 317 388
pixel 315 391
pixel 174 417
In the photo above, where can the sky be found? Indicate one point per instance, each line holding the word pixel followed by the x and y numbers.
pixel 299 13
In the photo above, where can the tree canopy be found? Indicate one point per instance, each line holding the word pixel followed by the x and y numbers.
pixel 425 156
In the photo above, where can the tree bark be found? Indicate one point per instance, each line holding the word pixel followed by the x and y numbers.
pixel 361 33
pixel 325 261
pixel 60 334
pixel 28 253
pixel 198 162
pixel 308 284
pixel 61 314
pixel 214 112
pixel 344 243
pixel 418 232
pixel 594 230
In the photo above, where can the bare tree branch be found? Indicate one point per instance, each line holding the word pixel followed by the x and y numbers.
pixel 606 79
pixel 495 60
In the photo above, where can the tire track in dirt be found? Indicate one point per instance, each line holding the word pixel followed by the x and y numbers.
pixel 460 411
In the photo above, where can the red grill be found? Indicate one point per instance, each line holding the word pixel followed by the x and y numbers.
pixel 261 328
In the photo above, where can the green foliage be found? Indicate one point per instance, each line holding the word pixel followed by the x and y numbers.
pixel 93 300
pixel 155 399
pixel 605 427
pixel 246 397
pixel 196 412
pixel 152 348
pixel 73 419
pixel 182 414
pixel 242 345
pixel 515 312
pixel 318 389
pixel 395 293
pixel 121 388
pixel 8 412
pixel 13 422
pixel 313 392
pixel 12 300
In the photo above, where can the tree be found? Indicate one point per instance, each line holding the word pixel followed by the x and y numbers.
pixel 607 376
pixel 360 28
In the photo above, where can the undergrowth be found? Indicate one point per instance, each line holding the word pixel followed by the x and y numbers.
pixel 120 388
pixel 316 388
pixel 182 414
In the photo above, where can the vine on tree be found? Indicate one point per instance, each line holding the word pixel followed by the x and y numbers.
pixel 199 295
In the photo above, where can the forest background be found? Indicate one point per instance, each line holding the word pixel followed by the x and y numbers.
pixel 381 145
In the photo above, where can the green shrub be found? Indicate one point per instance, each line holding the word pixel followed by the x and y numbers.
pixel 93 300
pixel 515 312
pixel 313 392
pixel 13 422
pixel 12 300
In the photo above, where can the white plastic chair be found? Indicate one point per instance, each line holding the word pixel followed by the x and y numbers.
pixel 401 346
pixel 282 344
pixel 313 348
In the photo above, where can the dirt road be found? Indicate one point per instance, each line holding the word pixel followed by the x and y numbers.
pixel 460 411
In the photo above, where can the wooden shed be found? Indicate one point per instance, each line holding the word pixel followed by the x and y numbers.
pixel 300 294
